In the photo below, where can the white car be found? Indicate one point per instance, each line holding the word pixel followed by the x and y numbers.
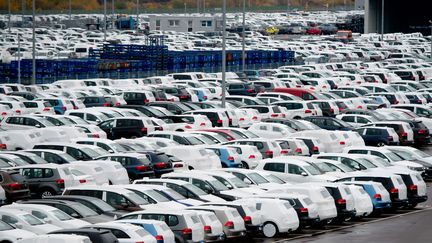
pixel 23 220
pixel 128 233
pixel 39 107
pixel 293 170
pixel 328 138
pixel 271 130
pixel 56 238
pixel 318 194
pixel 249 155
pixel 233 182
pixel 298 109
pixel 362 201
pixel 278 215
pixel 2 196
pixel 158 229
pixel 195 157
pixel 49 215
pixel 10 234
pixel 23 122
pixel 356 120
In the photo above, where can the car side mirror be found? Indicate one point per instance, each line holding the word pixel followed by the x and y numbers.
pixel 111 151
pixel 124 205
pixel 38 125
pixel 18 225
pixel 304 174
pixel 48 221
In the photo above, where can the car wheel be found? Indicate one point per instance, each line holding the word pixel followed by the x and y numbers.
pixel 269 230
pixel 245 165
pixel 191 168
pixel 380 144
pixel 47 193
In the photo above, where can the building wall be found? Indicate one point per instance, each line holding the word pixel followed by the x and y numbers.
pixel 399 16
pixel 186 23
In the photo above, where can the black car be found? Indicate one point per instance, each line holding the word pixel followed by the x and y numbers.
pixel 161 162
pixel 133 127
pixel 329 123
pixel 96 101
pixel 95 235
pixel 95 204
pixel 146 110
pixel 175 107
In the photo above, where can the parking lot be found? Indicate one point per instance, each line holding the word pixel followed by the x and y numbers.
pixel 133 132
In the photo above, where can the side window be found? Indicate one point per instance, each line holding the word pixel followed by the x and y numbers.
pixel 80 115
pixel 117 199
pixel 172 220
pixel 71 212
pixel 352 163
pixel 276 167
pixel 91 117
pixel 179 189
pixel 104 146
pixel 295 169
pixel 32 173
pixel 9 219
pixel 348 118
pixel 355 151
pixel 378 154
pixel 119 234
pixel 130 217
pixel 107 124
pixel 76 153
pixel 362 120
pixel 180 140
pixel 259 145
pixel 373 132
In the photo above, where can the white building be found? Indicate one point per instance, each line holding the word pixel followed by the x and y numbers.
pixel 186 23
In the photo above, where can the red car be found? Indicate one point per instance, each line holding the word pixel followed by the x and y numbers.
pixel 313 31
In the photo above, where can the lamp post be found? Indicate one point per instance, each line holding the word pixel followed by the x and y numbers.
pixel 382 20
pixel 430 22
pixel 137 17
pixel 19 58
pixel 105 20
pixel 70 10
pixel 223 53
pixel 243 37
pixel 9 15
pixel 33 80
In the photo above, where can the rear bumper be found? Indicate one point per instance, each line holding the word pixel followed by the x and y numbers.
pixel 378 206
pixel 306 221
pixel 235 234
pixel 253 228
pixel 407 142
pixel 400 202
pixel 214 238
pixel 417 199
pixel 346 214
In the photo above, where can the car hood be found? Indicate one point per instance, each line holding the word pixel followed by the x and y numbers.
pixel 212 198
pixel 44 228
pixel 98 219
pixel 325 177
pixel 18 234
pixel 236 193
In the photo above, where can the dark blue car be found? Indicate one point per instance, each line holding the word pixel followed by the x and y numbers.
pixel 329 123
pixel 137 165
pixel 378 136
pixel 228 158
pixel 241 88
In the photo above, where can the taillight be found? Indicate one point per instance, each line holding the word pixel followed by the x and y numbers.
pixel 202 124
pixel 254 118
pixel 205 97
pixel 419 102
pixel 219 121
pixel 251 156
pixel 94 135
pixel 3 146
pixel 117 104
pixel 250 90
pixel 390 138
pixel 60 183
pixel 146 101
pixel 141 168
pixel 377 197
pixel 269 153
pixel 394 192
pixel 229 224
pixel 207 229
pixel 230 158
pixel 64 108
pixel 315 149
pixel 144 129
pixel 247 219
pixel 341 201
pixel 342 142
pixel 298 150
pixel 187 231
pixel 159 238
pixel 308 111
pixel 184 97
pixel 4 113
pixel 404 134
pixel 332 110
pixel 421 131
pixel 360 107
pixel 412 188
pixel 82 181
pixel 75 107
pixel 106 105
pixel 18 111
pixel 46 109
pixel 284 151
pixel 274 115
pixel 241 119
pixel 14 186
pixel 178 166
pixel 160 165
pixel 188 127
pixel 158 128
pixel 304 210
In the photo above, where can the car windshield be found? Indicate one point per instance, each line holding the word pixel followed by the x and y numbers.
pixel 171 193
pixel 366 163
pixel 157 196
pixel 237 182
pixel 195 189
pixel 19 162
pixel 393 157
pixel 404 155
pixel 218 185
pixel 381 161
pixel 4 226
pixel 194 141
pixel 275 179
pixel 420 154
pixel 90 152
pixel 84 211
pixel 312 170
pixel 324 167
pixel 118 148
pixel 32 220
pixel 36 159
pixel 345 168
pixel 136 199
pixel 257 178
pixel 60 215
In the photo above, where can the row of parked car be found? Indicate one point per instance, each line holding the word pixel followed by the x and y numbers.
pixel 160 159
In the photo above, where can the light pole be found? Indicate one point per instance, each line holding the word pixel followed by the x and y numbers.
pixel 19 58
pixel 105 20
pixel 113 13
pixel 223 53
pixel 243 37
pixel 137 17
pixel 185 8
pixel 204 6
pixel 382 20
pixel 430 22
pixel 33 80
pixel 288 6
pixel 9 15
pixel 70 10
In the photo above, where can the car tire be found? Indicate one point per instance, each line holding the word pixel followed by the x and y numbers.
pixel 5 241
pixel 46 192
pixel 245 165
pixel 380 144
pixel 269 230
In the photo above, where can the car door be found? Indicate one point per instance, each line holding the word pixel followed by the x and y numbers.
pixel 373 135
pixel 107 127
pixel 297 174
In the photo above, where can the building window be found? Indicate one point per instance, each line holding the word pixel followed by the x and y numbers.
pixel 174 23
pixel 206 23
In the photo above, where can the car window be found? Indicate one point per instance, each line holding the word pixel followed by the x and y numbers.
pixel 295 169
pixel 276 167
